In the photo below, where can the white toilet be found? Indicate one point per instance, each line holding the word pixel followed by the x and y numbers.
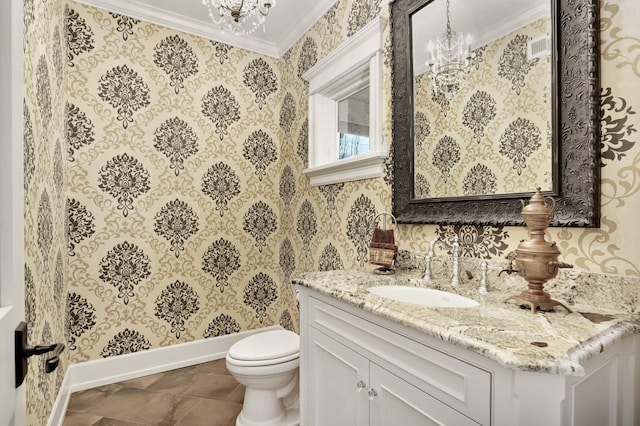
pixel 267 365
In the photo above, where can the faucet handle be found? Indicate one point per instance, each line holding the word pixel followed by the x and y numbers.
pixel 484 265
pixel 510 270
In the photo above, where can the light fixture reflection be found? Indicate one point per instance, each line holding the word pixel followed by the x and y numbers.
pixel 450 60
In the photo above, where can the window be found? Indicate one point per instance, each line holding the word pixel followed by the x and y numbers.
pixel 345 102
pixel 353 125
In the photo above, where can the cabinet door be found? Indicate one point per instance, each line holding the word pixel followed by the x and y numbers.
pixel 399 403
pixel 338 380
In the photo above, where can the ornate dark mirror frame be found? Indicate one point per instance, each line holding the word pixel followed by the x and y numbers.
pixel 576 128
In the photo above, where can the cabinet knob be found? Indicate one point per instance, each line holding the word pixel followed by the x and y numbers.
pixel 372 394
pixel 361 384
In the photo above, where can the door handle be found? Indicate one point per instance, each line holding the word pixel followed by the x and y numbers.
pixel 51 363
pixel 23 351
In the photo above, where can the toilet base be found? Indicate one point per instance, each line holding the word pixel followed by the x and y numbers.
pixel 291 418
pixel 264 407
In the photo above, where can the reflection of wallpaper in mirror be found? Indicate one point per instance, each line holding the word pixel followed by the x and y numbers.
pixel 494 136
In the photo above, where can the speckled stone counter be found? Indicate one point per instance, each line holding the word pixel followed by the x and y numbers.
pixel 606 309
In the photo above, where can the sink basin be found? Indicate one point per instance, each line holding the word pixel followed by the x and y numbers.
pixel 423 296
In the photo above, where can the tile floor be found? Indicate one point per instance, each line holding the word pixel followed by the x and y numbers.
pixel 203 394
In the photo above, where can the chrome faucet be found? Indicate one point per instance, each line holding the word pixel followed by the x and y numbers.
pixel 455 253
pixel 484 267
pixel 428 257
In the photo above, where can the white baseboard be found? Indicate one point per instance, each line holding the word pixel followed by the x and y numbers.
pixel 100 372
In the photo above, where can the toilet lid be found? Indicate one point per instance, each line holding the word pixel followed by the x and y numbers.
pixel 266 345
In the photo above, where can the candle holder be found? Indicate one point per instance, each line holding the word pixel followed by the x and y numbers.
pixel 537 259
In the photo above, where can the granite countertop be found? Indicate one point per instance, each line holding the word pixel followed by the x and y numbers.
pixel 606 309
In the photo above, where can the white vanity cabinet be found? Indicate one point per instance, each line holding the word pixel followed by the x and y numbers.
pixel 354 372
pixel 358 392
pixel 343 377
pixel 359 369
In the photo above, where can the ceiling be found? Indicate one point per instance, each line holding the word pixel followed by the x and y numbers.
pixel 286 22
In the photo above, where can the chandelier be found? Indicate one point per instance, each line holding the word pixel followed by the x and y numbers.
pixel 450 60
pixel 239 17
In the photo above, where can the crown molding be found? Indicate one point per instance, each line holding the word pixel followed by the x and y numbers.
pixel 204 27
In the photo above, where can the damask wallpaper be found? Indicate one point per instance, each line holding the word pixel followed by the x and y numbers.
pixel 173 204
pixel 494 135
pixel 179 164
pixel 44 146
pixel 341 210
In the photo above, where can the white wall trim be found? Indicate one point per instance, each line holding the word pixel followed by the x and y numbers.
pixel 56 417
pixel 100 372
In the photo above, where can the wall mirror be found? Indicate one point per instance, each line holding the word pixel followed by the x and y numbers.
pixel 522 114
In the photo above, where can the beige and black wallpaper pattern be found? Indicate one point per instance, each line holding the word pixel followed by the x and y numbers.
pixel 174 212
pixel 493 136
pixel 178 161
pixel 44 147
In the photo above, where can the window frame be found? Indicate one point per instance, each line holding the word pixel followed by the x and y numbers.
pixel 352 66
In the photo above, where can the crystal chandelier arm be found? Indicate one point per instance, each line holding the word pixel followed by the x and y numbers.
pixel 245 15
pixel 265 6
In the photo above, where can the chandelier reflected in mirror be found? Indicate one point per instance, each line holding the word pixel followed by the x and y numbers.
pixel 239 17
pixel 450 60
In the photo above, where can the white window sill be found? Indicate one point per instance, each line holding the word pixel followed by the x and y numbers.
pixel 363 166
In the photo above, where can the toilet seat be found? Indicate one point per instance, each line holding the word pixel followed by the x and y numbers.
pixel 267 348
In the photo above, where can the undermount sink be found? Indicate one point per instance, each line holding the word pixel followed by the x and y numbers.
pixel 423 296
